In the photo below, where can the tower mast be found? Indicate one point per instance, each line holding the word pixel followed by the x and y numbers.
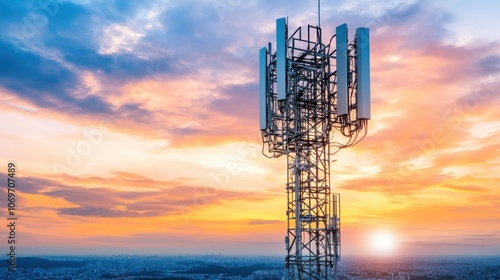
pixel 308 90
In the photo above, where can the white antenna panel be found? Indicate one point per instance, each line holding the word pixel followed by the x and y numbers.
pixel 281 58
pixel 342 68
pixel 263 87
pixel 363 67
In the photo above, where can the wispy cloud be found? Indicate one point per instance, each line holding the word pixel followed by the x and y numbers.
pixel 131 195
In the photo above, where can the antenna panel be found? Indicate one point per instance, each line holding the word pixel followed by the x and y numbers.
pixel 363 68
pixel 281 58
pixel 342 69
pixel 263 87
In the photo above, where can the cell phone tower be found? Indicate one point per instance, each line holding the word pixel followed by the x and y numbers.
pixel 309 90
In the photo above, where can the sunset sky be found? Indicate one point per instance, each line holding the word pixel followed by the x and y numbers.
pixel 134 127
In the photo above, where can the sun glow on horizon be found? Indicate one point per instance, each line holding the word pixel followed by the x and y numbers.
pixel 383 242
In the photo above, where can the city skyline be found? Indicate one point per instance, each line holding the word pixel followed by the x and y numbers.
pixel 134 128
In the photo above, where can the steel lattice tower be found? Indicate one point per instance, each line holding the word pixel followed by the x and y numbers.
pixel 309 89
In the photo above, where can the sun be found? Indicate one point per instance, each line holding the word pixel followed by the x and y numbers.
pixel 383 242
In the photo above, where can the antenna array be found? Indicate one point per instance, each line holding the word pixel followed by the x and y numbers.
pixel 308 90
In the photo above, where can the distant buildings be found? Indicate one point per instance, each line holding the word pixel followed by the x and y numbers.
pixel 216 267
